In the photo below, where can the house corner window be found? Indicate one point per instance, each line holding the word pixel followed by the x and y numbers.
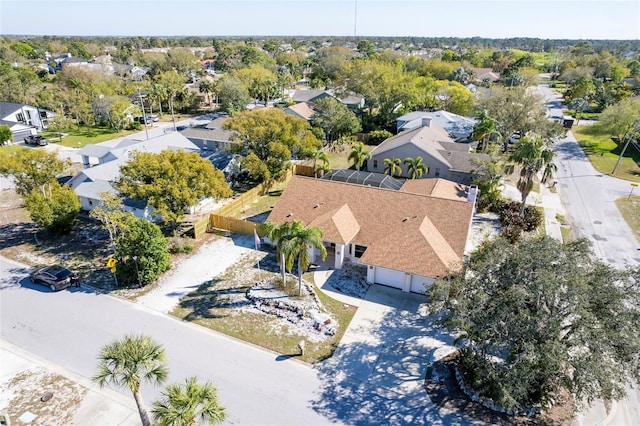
pixel 437 171
pixel 375 164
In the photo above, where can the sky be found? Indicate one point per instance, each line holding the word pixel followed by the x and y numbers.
pixel 559 19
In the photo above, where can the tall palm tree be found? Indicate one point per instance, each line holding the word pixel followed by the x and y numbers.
pixel 359 155
pixel 485 130
pixel 278 234
pixel 533 156
pixel 296 246
pixel 392 167
pixel 129 361
pixel 415 167
pixel 188 404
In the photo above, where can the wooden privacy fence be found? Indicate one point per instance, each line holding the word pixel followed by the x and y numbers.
pixel 242 200
pixel 231 224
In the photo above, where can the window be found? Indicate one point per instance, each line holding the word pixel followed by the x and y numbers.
pixel 28 115
pixel 359 251
pixel 375 164
pixel 437 171
pixel 20 117
pixel 43 114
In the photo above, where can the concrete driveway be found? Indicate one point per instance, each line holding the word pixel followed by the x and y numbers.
pixel 376 375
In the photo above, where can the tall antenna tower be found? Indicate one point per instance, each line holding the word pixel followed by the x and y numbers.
pixel 355 19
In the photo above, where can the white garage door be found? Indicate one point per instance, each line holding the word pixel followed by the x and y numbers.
pixel 389 277
pixel 418 284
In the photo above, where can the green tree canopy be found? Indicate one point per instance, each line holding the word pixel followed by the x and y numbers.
pixel 55 207
pixel 234 95
pixel 273 137
pixel 617 119
pixel 5 134
pixel 128 362
pixel 141 250
pixel 539 316
pixel 31 168
pixel 171 181
pixel 415 167
pixel 335 119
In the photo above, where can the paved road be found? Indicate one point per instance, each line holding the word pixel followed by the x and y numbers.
pixel 69 327
pixel 589 198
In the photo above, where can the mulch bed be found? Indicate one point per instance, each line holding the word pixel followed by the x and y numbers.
pixel 443 391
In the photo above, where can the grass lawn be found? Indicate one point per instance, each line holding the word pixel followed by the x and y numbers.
pixel 86 136
pixel 220 305
pixel 630 209
pixel 11 149
pixel 340 160
pixel 603 154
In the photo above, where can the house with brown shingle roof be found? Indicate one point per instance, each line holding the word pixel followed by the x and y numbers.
pixel 407 238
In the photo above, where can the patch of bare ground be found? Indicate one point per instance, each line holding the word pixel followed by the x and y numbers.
pixel 443 390
pixel 52 398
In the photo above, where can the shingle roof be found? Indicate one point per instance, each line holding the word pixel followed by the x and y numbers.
pixel 404 231
pixel 302 110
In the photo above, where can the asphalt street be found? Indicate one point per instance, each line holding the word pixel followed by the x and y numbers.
pixel 68 328
pixel 589 198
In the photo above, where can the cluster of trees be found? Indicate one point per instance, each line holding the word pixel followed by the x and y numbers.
pixel 539 316
pixel 135 359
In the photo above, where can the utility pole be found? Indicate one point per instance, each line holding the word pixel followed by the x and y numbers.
pixel 629 136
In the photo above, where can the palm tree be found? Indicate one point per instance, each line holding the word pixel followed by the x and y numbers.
pixel 189 404
pixel 392 167
pixel 415 167
pixel 126 362
pixel 533 156
pixel 296 245
pixel 322 156
pixel 485 129
pixel 277 235
pixel 206 87
pixel 359 155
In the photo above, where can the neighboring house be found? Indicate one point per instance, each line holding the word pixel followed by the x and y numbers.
pixel 212 136
pixel 458 126
pixel 354 102
pixel 485 75
pixel 444 157
pixel 26 119
pixel 302 110
pixel 406 238
pixel 102 167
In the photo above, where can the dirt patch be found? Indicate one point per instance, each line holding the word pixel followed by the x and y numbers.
pixel 52 398
pixel 444 391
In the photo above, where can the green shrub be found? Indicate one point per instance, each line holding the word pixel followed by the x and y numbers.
pixel 378 136
pixel 513 223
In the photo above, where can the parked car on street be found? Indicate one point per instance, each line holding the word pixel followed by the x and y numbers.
pixel 141 120
pixel 56 277
pixel 36 140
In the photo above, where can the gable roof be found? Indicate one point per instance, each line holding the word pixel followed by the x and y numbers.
pixel 428 139
pixel 405 231
pixel 301 110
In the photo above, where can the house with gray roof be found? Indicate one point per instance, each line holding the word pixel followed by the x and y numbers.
pixel 212 136
pixel 458 126
pixel 444 157
pixel 352 101
pixel 102 168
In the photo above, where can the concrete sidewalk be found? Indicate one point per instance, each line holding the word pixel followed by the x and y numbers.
pixel 103 407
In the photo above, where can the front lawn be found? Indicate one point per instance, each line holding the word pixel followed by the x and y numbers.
pixel 78 138
pixel 222 305
pixel 630 209
pixel 604 153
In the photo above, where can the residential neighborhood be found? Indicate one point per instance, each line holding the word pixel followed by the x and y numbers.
pixel 275 230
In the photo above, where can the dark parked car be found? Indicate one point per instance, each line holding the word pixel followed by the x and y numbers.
pixel 56 277
pixel 142 120
pixel 36 140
